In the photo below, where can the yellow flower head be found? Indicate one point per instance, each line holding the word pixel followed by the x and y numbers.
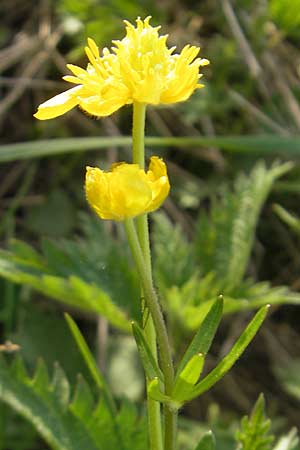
pixel 127 191
pixel 139 68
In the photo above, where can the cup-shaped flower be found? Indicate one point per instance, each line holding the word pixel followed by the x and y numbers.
pixel 138 68
pixel 127 190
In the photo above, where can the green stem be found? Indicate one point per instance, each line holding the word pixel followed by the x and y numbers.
pixel 138 157
pixel 158 320
pixel 138 134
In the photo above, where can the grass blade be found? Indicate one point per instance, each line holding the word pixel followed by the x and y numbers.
pixel 262 145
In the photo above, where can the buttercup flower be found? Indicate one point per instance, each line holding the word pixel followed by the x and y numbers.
pixel 139 68
pixel 127 191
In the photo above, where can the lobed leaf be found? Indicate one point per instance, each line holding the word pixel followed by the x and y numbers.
pixel 79 424
pixel 225 237
pixel 254 431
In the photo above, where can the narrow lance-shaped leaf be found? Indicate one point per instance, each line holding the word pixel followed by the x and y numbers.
pixel 150 365
pixel 225 365
pixel 96 374
pixel 188 378
pixel 203 338
pixel 288 218
pixel 155 392
pixel 91 363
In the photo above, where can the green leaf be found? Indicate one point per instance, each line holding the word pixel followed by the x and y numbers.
pixel 225 237
pixel 203 338
pixel 60 386
pixel 225 365
pixel 288 218
pixel 79 425
pixel 155 392
pixel 94 278
pixel 83 401
pixel 41 376
pixel 91 363
pixel 288 441
pixel 174 262
pixel 254 431
pixel 187 378
pixel 207 442
pixel 70 290
pixel 150 365
pixel 44 412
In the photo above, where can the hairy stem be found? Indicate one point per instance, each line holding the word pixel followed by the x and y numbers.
pixel 138 157
pixel 160 328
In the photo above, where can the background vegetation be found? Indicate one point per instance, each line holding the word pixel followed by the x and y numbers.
pixel 231 224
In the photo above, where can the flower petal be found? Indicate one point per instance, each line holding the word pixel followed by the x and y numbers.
pixel 59 104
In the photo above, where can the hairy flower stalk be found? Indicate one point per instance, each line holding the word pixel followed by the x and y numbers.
pixel 139 69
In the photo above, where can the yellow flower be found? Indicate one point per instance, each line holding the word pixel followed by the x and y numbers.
pixel 150 70
pixel 127 191
pixel 140 68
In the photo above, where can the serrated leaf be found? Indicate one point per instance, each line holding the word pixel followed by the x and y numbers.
pixel 41 376
pixel 225 237
pixel 174 261
pixel 254 431
pixel 58 428
pixel 77 426
pixel 150 365
pixel 17 368
pixel 71 290
pixel 82 402
pixel 94 278
pixel 225 365
pixel 60 386
pixel 207 442
pixel 203 338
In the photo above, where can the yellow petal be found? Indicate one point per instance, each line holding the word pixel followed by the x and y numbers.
pixel 97 192
pixel 97 106
pixel 59 104
pixel 131 192
pixel 160 185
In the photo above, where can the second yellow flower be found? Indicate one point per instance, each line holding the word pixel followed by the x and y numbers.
pixel 127 191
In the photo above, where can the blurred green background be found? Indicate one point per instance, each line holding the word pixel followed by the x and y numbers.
pixel 247 114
